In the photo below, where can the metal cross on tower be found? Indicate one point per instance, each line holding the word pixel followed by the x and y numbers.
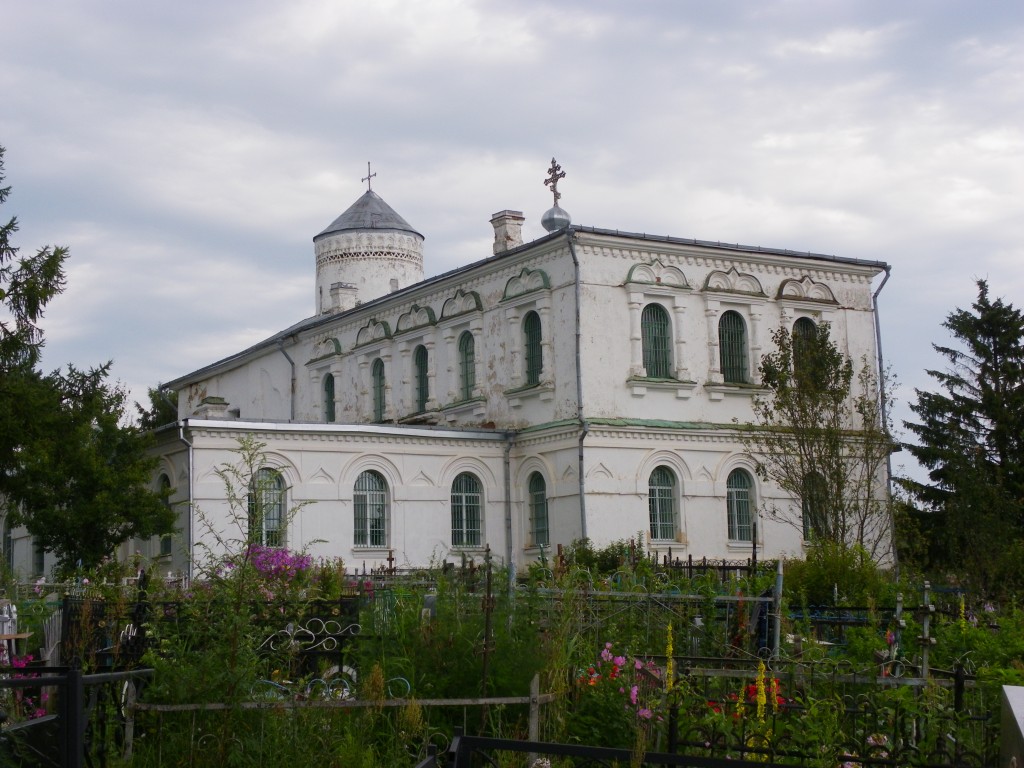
pixel 369 187
pixel 555 173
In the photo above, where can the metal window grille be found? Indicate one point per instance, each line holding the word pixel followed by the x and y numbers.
pixel 466 508
pixel 812 505
pixel 467 365
pixel 377 373
pixel 8 546
pixel 732 346
pixel 266 509
pixel 656 333
pixel 165 496
pixel 534 352
pixel 422 385
pixel 329 413
pixel 804 333
pixel 39 558
pixel 538 510
pixel 738 499
pixel 370 502
pixel 661 501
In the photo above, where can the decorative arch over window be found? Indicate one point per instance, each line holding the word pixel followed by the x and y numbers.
pixel 527 281
pixel 463 302
pixel 734 281
pixel 739 492
pixel 422 385
pixel 656 334
pixel 538 504
pixel 657 274
pixel 416 317
pixel 329 403
pixel 266 509
pixel 806 289
pixel 661 503
pixel 378 386
pixel 374 330
pixel 371 506
pixel 467 508
pixel 732 348
pixel 533 349
pixel 467 365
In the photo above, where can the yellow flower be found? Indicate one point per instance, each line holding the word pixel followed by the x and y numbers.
pixel 762 698
pixel 670 665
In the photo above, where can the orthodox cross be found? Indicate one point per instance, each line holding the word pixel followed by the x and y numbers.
pixel 368 176
pixel 555 173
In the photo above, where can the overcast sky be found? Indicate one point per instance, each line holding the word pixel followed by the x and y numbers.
pixel 188 152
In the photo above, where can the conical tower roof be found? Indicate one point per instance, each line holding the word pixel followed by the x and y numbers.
pixel 369 212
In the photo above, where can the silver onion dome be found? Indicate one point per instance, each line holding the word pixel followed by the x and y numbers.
pixel 555 219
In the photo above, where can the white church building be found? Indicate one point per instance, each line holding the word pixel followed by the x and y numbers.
pixel 586 384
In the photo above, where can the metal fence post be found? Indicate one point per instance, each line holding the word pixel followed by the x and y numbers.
pixel 74 723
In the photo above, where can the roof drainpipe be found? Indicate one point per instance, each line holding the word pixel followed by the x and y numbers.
pixel 884 408
pixel 291 392
pixel 191 511
pixel 570 235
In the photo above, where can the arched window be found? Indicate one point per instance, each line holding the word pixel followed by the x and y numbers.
pixel 467 365
pixel 166 542
pixel 661 502
pixel 534 351
pixel 466 511
pixel 804 334
pixel 370 502
pixel 538 492
pixel 814 506
pixel 739 502
pixel 419 364
pixel 732 347
pixel 377 374
pixel 329 413
pixel 8 544
pixel 266 509
pixel 656 332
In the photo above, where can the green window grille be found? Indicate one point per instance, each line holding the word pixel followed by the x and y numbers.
pixel 661 502
pixel 377 374
pixel 804 334
pixel 419 362
pixel 814 505
pixel 466 511
pixel 467 365
pixel 657 341
pixel 538 490
pixel 534 351
pixel 738 501
pixel 38 558
pixel 165 497
pixel 732 347
pixel 329 413
pixel 370 502
pixel 266 509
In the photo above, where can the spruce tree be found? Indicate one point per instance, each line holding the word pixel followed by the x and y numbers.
pixel 970 439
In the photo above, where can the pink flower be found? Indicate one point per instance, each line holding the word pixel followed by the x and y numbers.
pixel 606 655
pixel 633 692
pixel 638 664
pixel 644 713
pixel 619 661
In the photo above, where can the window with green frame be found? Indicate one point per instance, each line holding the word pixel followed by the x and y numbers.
pixel 166 542
pixel 739 492
pixel 656 332
pixel 732 347
pixel 804 334
pixel 661 502
pixel 377 374
pixel 329 414
pixel 534 350
pixel 466 511
pixel 467 365
pixel 370 505
pixel 266 509
pixel 538 493
pixel 419 364
pixel 813 505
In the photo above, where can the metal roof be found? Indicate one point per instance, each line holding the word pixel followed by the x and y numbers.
pixel 369 212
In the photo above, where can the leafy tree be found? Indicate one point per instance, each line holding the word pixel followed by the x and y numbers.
pixel 163 408
pixel 69 471
pixel 970 438
pixel 823 441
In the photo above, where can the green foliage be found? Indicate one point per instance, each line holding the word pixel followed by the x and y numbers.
pixel 832 570
pixel 163 408
pixel 970 438
pixel 69 471
pixel 820 436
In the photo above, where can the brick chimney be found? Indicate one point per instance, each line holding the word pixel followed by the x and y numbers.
pixel 508 230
